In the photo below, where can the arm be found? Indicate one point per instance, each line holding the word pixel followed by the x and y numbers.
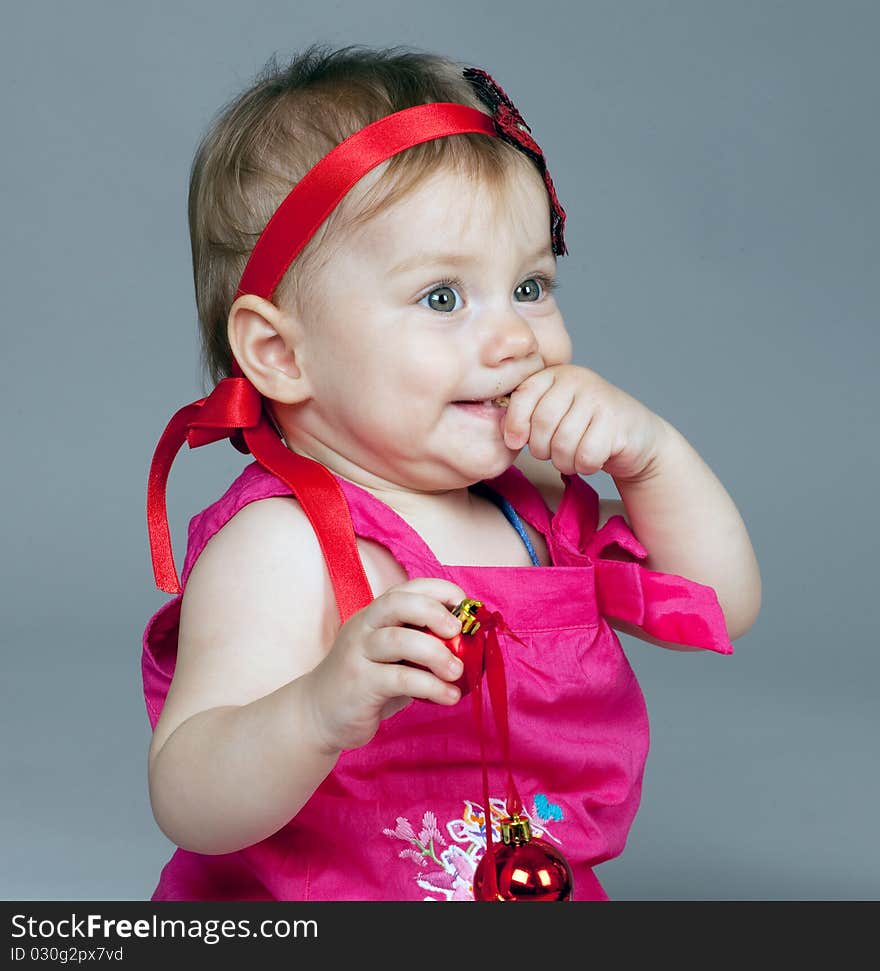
pixel 690 526
pixel 235 753
pixel 214 791
pixel 269 688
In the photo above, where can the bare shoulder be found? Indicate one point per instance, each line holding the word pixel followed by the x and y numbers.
pixel 548 481
pixel 257 611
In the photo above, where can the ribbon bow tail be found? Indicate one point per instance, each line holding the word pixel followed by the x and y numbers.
pixel 169 445
pixel 233 405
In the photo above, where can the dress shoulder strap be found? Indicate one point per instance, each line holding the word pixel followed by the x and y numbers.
pixel 252 484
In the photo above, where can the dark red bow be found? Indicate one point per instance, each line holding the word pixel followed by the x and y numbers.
pixel 511 128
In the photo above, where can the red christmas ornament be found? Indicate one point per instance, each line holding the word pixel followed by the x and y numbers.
pixel 522 867
pixel 464 646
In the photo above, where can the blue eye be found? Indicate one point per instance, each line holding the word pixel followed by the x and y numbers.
pixel 443 297
pixel 534 288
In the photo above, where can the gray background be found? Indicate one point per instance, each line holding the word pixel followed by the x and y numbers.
pixel 719 164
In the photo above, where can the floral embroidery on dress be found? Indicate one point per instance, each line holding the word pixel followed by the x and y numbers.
pixel 447 868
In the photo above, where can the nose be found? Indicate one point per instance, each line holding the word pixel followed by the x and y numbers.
pixel 509 334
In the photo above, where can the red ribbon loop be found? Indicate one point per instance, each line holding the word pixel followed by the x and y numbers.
pixel 233 405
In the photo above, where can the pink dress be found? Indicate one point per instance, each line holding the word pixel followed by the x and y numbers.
pixel 402 817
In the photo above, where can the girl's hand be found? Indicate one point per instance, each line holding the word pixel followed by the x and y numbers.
pixel 575 418
pixel 361 680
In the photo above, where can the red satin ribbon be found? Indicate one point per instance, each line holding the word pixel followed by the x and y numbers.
pixel 235 409
pixel 485 642
pixel 318 192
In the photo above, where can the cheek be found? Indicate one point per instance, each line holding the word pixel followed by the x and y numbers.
pixel 432 353
pixel 567 351
pixel 555 345
pixel 412 371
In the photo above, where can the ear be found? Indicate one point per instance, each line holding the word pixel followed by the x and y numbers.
pixel 268 344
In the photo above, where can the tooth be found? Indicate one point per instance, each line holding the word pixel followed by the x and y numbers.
pixel 502 402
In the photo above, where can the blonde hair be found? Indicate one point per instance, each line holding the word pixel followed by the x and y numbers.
pixel 261 143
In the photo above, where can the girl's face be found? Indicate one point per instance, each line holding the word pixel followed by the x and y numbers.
pixel 442 297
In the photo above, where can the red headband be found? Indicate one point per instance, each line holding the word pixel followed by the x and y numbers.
pixel 236 410
pixel 319 191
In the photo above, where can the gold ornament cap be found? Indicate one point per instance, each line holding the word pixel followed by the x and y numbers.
pixel 516 830
pixel 466 612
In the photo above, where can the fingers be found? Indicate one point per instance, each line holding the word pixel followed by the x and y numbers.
pixel 545 418
pixel 391 644
pixel 404 680
pixel 523 402
pixel 406 604
pixel 594 447
pixel 413 662
pixel 580 432
pixel 445 591
pixel 561 423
